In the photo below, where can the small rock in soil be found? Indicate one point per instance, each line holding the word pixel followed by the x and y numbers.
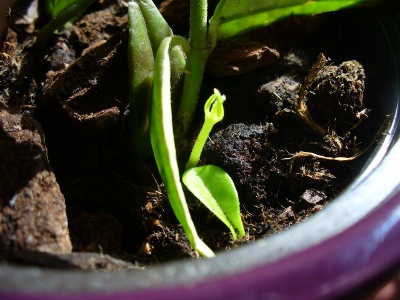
pixel 278 94
pixel 97 26
pixel 60 56
pixel 24 15
pixel 32 207
pixel 240 57
pixel 246 153
pixel 313 196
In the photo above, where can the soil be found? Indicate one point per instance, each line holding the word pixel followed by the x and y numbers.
pixel 297 131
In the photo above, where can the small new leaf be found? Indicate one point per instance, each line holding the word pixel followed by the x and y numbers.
pixel 216 190
pixel 213 113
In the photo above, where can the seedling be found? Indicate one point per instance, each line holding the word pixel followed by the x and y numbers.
pixel 159 62
pixel 209 184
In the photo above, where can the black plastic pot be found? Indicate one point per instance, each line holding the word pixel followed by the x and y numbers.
pixel 347 249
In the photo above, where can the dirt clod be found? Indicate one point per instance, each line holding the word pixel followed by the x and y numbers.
pixel 32 207
pixel 335 94
pixel 92 93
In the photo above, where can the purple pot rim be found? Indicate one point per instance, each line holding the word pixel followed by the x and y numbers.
pixel 358 255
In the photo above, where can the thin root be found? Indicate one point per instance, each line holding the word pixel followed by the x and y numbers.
pixel 314 155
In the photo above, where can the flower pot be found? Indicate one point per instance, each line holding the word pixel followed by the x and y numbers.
pixel 347 249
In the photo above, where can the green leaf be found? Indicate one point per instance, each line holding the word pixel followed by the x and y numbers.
pixel 147 29
pixel 234 17
pixel 141 65
pixel 66 14
pixel 59 5
pixel 162 140
pixel 157 27
pixel 53 7
pixel 216 190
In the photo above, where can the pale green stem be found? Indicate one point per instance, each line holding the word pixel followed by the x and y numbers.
pixel 213 113
pixel 199 145
pixel 195 65
pixel 198 24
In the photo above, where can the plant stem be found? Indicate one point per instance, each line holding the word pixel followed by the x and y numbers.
pixel 191 90
pixel 213 113
pixel 199 145
pixel 195 65
pixel 198 24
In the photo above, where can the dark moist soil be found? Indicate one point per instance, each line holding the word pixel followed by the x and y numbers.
pixel 295 134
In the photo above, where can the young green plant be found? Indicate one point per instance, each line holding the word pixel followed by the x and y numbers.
pixel 200 180
pixel 209 184
pixel 157 62
pixel 162 140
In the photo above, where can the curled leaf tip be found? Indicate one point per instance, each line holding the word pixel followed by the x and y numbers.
pixel 214 108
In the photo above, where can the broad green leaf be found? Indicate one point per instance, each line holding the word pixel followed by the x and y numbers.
pixel 216 190
pixel 162 140
pixel 234 17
